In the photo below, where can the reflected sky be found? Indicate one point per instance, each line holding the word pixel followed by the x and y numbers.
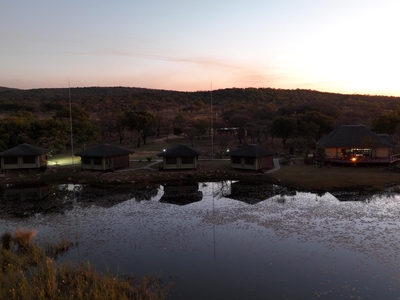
pixel 289 246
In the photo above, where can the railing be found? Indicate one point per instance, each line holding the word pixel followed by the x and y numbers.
pixel 394 158
pixel 361 160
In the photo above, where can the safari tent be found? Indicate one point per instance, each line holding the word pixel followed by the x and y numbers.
pixel 179 157
pixel 252 157
pixel 104 158
pixel 24 156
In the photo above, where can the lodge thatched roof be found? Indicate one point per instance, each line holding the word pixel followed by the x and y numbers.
pixel 252 151
pixel 352 136
pixel 104 150
pixel 387 138
pixel 179 151
pixel 24 150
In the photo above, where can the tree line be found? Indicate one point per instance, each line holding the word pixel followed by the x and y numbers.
pixel 239 116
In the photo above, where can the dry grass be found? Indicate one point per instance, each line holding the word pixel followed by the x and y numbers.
pixel 23 238
pixel 32 274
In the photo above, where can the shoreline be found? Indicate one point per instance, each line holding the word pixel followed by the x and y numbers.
pixel 299 176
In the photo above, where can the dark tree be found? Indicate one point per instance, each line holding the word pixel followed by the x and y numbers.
pixel 284 127
pixel 143 122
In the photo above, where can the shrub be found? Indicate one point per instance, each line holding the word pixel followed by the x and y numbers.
pixel 284 161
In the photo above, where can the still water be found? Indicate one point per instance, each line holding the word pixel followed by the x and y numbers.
pixel 224 240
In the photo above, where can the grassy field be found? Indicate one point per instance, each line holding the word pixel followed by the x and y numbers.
pixel 315 177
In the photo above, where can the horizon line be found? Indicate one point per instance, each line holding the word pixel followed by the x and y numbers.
pixel 196 91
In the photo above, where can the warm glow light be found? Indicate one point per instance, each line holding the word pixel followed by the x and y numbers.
pixel 353 159
pixel 62 161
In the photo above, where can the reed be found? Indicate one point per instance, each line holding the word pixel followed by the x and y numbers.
pixel 32 274
pixel 56 249
pixel 23 238
pixel 7 240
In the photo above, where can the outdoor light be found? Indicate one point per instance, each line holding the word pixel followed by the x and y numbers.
pixel 164 150
pixel 353 158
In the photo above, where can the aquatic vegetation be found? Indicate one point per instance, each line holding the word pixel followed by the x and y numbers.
pixel 23 238
pixel 7 240
pixel 56 249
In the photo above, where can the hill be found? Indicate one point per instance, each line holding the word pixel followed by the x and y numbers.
pixel 345 108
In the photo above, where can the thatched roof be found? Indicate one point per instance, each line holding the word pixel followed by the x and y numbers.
pixel 351 136
pixel 104 150
pixel 387 138
pixel 252 151
pixel 24 150
pixel 179 151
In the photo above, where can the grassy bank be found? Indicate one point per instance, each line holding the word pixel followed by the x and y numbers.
pixel 30 272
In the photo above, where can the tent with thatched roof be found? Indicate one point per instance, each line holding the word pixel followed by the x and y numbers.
pixel 105 158
pixel 179 157
pixel 252 157
pixel 24 156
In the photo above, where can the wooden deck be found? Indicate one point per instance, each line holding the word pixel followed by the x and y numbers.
pixel 361 160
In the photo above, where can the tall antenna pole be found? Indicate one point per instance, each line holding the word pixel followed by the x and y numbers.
pixel 211 124
pixel 70 123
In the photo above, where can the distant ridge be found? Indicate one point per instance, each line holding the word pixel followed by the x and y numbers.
pixel 3 89
pixel 269 102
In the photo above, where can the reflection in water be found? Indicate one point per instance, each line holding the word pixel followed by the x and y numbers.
pixel 308 246
pixel 88 195
pixel 251 193
pixel 352 195
pixel 181 194
pixel 27 200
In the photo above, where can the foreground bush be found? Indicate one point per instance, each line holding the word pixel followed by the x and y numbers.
pixel 28 272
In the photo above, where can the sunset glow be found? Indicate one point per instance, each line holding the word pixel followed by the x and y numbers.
pixel 334 46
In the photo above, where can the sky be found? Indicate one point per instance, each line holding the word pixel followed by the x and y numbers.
pixel 340 46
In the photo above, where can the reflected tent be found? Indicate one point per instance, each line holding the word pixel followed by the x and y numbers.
pixel 181 194
pixel 252 193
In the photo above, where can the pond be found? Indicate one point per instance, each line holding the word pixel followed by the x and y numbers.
pixel 224 240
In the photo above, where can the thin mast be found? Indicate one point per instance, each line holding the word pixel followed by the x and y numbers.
pixel 70 123
pixel 211 123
